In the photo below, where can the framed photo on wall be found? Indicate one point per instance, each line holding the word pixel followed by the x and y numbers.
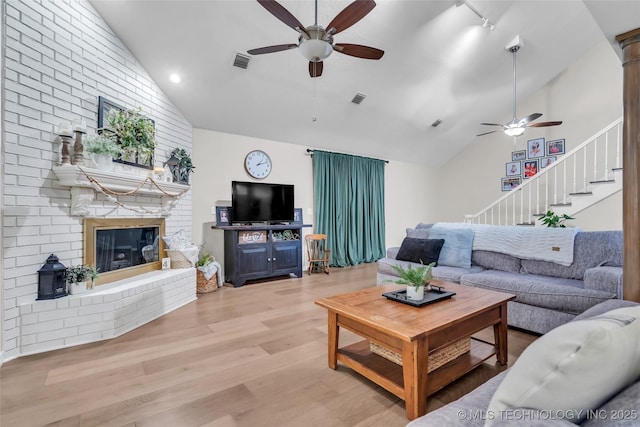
pixel 530 168
pixel 223 215
pixel 555 147
pixel 517 156
pixel 511 182
pixel 513 169
pixel 546 161
pixel 535 148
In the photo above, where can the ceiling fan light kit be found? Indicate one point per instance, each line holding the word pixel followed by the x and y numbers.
pixel 315 50
pixel 517 127
pixel 315 43
pixel 514 130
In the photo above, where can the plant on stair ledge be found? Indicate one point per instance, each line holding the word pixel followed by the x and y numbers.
pixel 553 220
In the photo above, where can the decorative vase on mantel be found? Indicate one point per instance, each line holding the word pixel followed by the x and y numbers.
pixel 103 161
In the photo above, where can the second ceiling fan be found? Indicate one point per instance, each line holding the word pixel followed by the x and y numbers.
pixel 517 127
pixel 315 42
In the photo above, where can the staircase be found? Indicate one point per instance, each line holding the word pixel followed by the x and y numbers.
pixel 580 178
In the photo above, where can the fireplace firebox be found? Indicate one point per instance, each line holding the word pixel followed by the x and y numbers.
pixel 123 247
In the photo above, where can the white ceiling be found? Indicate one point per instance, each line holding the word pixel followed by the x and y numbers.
pixel 439 63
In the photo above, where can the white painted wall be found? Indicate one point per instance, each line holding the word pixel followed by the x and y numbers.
pixel 219 159
pixel 58 57
pixel 586 97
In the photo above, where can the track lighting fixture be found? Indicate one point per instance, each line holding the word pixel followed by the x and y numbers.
pixel 485 21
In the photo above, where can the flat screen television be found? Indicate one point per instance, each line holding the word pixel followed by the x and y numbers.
pixel 261 202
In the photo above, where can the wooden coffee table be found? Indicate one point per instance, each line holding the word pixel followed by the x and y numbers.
pixel 414 332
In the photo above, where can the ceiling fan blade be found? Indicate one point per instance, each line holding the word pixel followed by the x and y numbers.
pixel 486 133
pixel 543 124
pixel 350 15
pixel 315 68
pixel 271 49
pixel 529 118
pixel 277 10
pixel 358 50
pixel 491 124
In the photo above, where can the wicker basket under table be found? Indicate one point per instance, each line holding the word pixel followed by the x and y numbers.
pixel 437 358
pixel 204 286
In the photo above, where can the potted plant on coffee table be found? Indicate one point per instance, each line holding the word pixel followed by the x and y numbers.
pixel 78 276
pixel 416 279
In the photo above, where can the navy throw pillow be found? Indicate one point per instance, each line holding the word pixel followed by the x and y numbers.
pixel 420 250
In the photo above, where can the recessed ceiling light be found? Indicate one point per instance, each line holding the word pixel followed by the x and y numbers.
pixel 175 78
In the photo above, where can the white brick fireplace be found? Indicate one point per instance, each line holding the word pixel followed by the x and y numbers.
pixel 59 56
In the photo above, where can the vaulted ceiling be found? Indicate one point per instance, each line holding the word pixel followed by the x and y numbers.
pixel 439 64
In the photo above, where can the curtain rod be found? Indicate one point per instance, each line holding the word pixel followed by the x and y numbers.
pixel 309 150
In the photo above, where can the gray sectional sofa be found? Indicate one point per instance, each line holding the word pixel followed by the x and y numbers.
pixel 547 294
pixel 618 405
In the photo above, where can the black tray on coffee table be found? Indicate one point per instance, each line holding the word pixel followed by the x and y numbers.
pixel 436 294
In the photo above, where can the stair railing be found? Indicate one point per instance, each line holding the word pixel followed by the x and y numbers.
pixel 571 174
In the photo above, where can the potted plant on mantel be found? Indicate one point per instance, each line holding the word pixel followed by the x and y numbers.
pixel 103 149
pixel 78 276
pixel 135 134
pixel 416 279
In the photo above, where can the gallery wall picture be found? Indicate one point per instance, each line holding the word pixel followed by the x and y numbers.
pixel 519 155
pixel 530 168
pixel 546 161
pixel 513 169
pixel 535 148
pixel 510 182
pixel 555 147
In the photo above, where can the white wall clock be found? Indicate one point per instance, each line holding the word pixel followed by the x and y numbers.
pixel 258 164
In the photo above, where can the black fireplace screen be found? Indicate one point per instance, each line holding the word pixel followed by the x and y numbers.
pixel 126 247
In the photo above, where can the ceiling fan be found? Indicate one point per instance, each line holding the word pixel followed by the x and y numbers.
pixel 517 127
pixel 315 42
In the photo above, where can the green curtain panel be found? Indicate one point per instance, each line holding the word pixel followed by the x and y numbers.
pixel 349 206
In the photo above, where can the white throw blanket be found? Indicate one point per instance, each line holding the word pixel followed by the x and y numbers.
pixel 537 243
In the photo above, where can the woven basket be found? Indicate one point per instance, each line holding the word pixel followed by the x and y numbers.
pixel 178 260
pixel 437 358
pixel 204 286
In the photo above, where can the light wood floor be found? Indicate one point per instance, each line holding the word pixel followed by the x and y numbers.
pixel 250 356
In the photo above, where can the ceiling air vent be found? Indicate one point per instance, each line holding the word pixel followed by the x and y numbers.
pixel 358 98
pixel 241 61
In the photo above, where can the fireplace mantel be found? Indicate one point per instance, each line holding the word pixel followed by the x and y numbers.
pixel 83 190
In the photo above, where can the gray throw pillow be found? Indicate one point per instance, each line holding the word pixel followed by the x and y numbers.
pixel 416 233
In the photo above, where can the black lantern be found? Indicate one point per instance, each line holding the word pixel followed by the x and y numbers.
pixel 52 278
pixel 174 167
